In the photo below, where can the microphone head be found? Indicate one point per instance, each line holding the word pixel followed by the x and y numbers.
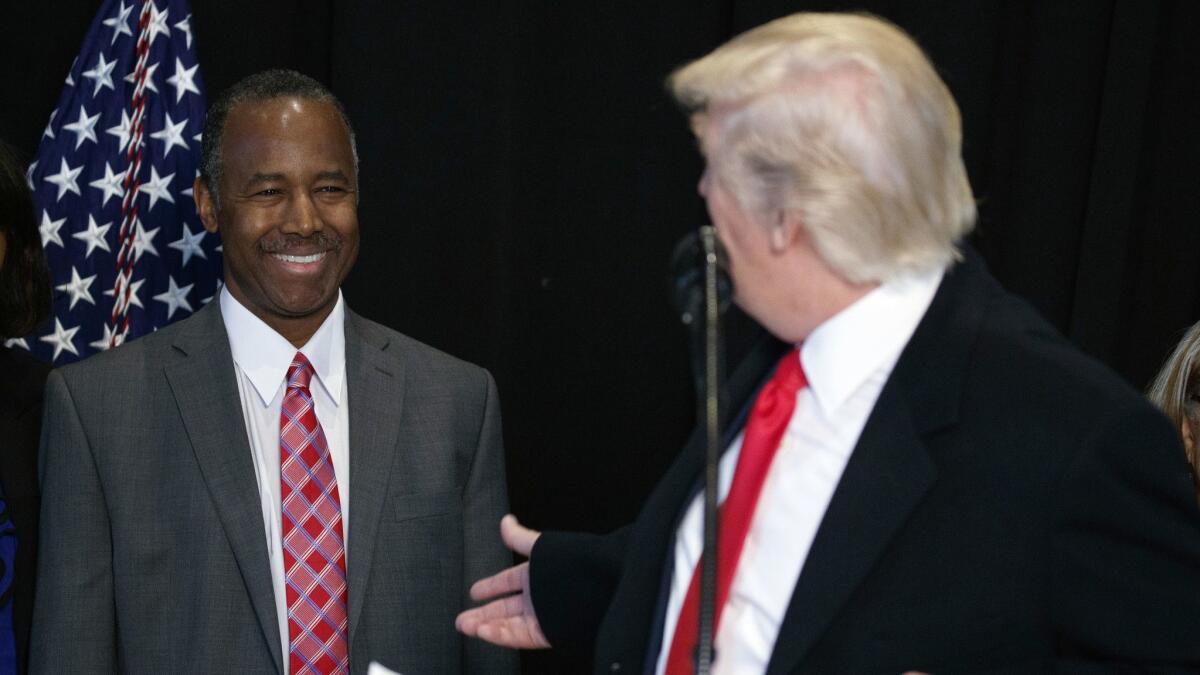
pixel 687 274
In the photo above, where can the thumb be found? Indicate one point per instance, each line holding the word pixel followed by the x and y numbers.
pixel 517 537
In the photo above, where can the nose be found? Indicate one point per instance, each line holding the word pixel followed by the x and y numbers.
pixel 303 217
pixel 702 186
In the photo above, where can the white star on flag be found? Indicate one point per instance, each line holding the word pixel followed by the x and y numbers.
pixel 61 339
pixel 174 297
pixel 189 245
pixel 101 73
pixel 111 184
pixel 49 132
pixel 171 134
pixel 149 77
pixel 185 26
pixel 78 288
pixel 123 131
pixel 17 342
pixel 84 128
pixel 104 343
pixel 158 23
pixel 120 23
pixel 182 80
pixel 143 242
pixel 94 236
pixel 134 301
pixel 67 179
pixel 157 187
pixel 49 230
pixel 29 176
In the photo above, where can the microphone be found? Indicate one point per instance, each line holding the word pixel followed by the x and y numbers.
pixel 687 275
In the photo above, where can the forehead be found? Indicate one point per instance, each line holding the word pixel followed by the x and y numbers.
pixel 288 130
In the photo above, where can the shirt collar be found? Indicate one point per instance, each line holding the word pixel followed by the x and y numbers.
pixel 264 355
pixel 865 338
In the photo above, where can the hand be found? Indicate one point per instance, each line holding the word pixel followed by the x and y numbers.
pixel 508 620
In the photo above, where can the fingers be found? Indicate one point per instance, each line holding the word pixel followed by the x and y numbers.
pixel 516 632
pixel 517 537
pixel 497 610
pixel 503 622
pixel 511 580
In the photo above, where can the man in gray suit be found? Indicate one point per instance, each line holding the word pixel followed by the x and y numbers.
pixel 200 483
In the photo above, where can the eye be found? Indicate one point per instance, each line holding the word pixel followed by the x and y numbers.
pixel 268 192
pixel 331 188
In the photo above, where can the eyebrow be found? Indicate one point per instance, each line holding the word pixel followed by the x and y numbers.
pixel 264 178
pixel 260 178
pixel 336 174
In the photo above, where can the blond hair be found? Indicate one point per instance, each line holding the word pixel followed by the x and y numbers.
pixel 1176 390
pixel 841 118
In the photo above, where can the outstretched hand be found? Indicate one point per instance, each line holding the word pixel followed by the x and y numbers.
pixel 508 618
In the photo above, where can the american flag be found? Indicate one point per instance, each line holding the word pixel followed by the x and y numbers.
pixel 112 183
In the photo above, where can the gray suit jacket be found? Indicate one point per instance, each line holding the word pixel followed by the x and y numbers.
pixel 154 556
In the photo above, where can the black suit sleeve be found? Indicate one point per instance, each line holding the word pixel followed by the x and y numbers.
pixel 1126 547
pixel 572 578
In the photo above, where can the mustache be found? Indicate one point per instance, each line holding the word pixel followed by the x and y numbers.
pixel 317 241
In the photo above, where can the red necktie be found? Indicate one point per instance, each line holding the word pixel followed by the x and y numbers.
pixel 314 554
pixel 768 420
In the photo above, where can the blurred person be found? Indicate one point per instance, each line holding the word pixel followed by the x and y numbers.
pixel 1176 391
pixel 24 303
pixel 921 474
pixel 274 484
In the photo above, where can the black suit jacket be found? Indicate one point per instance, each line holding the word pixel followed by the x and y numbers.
pixel 22 382
pixel 1011 506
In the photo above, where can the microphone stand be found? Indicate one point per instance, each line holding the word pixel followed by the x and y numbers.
pixel 700 279
pixel 710 410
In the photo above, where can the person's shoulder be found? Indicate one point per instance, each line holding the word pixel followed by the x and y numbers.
pixel 133 360
pixel 417 358
pixel 1021 346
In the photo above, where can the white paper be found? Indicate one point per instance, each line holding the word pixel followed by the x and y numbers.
pixel 376 669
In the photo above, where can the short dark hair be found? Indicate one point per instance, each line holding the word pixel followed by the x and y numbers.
pixel 264 86
pixel 24 276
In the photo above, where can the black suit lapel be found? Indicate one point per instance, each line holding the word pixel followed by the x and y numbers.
pixel 891 469
pixel 887 476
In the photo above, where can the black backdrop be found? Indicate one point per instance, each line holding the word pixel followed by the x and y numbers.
pixel 524 176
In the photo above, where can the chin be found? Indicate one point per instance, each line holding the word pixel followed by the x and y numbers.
pixel 300 307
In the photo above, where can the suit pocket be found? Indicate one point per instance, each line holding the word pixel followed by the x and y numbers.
pixel 425 504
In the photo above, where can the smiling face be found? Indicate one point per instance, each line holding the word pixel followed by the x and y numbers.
pixel 288 214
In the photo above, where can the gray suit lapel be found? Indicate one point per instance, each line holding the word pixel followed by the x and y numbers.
pixel 205 390
pixel 376 392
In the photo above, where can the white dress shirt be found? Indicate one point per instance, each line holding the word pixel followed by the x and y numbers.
pixel 260 359
pixel 847 360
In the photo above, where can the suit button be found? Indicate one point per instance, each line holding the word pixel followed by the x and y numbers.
pixel 614 667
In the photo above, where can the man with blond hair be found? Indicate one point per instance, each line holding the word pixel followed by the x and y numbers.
pixel 921 474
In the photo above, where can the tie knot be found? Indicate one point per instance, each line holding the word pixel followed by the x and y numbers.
pixel 300 373
pixel 789 374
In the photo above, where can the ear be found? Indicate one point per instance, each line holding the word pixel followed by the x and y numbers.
pixel 1185 430
pixel 786 230
pixel 206 207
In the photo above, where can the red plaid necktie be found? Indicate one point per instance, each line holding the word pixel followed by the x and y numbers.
pixel 768 420
pixel 314 555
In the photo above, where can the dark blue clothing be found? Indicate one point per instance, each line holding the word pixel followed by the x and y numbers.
pixel 8 559
pixel 22 381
